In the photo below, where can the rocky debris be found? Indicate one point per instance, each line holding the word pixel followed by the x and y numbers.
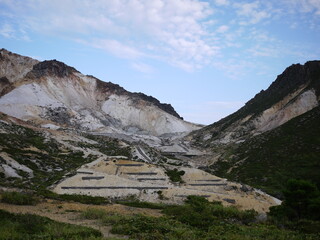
pixel 13 66
pixel 59 115
pixel 5 86
pixel 163 106
pixel 51 68
pixel 246 188
pixel 108 87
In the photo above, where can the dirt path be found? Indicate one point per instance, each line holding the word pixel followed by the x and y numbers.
pixel 70 213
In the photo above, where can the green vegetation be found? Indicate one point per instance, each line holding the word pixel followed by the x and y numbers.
pixel 19 198
pixel 139 204
pixel 196 219
pixel 48 160
pixel 107 145
pixel 74 197
pixel 29 227
pixel 175 175
pixel 268 160
pixel 301 201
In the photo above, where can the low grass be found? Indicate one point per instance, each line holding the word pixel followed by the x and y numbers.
pixel 18 198
pixel 139 204
pixel 196 219
pixel 29 227
pixel 85 199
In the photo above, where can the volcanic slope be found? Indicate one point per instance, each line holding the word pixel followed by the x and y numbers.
pixel 54 95
pixel 273 138
pixel 294 92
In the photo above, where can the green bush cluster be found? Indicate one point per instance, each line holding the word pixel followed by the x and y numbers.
pixel 175 175
pixel 196 219
pixel 200 213
pixel 300 208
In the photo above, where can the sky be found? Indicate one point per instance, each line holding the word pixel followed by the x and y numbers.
pixel 205 58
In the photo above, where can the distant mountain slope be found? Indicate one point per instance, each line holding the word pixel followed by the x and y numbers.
pixel 268 160
pixel 50 93
pixel 293 93
pixel 274 137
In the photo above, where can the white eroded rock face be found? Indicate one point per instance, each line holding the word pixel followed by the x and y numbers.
pixel 290 107
pixel 144 116
pixel 281 113
pixel 53 93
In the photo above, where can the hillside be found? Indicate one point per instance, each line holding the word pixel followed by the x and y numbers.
pixel 268 160
pixel 54 95
pixel 293 93
pixel 273 138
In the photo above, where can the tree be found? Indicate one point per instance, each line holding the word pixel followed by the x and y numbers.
pixel 301 201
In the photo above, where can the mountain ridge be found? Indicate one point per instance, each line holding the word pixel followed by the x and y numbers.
pixel 83 99
pixel 254 117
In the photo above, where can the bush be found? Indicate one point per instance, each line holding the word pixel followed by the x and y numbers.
pixel 200 213
pixel 93 213
pixel 175 175
pixel 19 198
pixel 301 201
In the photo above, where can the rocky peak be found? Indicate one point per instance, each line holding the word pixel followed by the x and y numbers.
pixel 108 87
pixel 163 106
pixel 51 67
pixel 13 66
pixel 287 97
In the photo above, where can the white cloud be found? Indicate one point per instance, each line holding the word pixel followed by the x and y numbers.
pixel 7 31
pixel 174 28
pixel 235 68
pixel 304 6
pixel 221 2
pixel 117 48
pixel 142 67
pixel 222 29
pixel 251 12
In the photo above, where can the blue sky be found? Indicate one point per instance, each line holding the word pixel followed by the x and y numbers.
pixel 206 58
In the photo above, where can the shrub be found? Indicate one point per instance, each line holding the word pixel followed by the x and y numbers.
pixel 93 213
pixel 175 175
pixel 301 201
pixel 200 213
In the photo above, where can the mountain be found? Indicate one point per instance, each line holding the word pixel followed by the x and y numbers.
pixel 75 134
pixel 54 95
pixel 273 138
pixel 293 93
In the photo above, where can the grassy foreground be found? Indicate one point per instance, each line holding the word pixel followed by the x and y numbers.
pixel 197 219
pixel 29 227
